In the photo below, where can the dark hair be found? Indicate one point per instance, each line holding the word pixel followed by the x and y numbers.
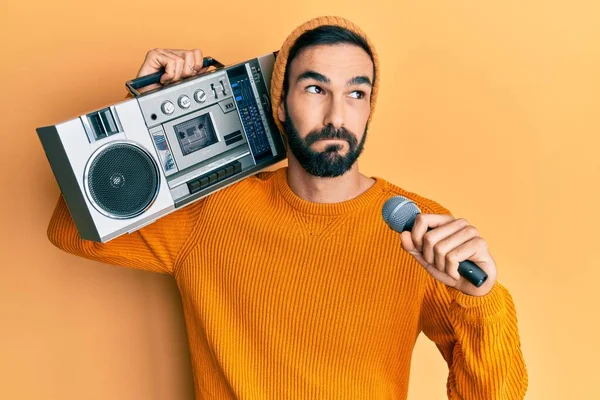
pixel 324 35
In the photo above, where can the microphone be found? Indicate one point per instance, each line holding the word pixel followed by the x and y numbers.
pixel 400 214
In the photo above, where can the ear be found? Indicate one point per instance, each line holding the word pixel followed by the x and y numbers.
pixel 281 109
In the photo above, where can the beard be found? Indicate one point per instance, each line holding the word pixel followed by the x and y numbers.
pixel 328 163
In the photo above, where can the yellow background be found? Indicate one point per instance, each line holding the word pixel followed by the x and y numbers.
pixel 488 107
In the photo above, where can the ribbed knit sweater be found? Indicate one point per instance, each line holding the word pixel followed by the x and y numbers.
pixel 289 299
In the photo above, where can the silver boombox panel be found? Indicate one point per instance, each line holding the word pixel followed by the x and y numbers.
pixel 124 166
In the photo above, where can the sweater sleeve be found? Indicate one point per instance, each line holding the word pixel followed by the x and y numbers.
pixel 156 247
pixel 478 338
pixel 476 335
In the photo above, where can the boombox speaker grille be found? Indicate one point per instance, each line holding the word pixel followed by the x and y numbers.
pixel 123 180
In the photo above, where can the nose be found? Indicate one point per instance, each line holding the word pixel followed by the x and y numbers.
pixel 334 114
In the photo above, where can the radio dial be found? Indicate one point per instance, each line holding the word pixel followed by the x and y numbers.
pixel 167 107
pixel 184 101
pixel 200 96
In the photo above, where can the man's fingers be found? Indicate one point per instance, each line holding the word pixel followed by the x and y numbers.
pixel 433 238
pixel 197 56
pixel 406 242
pixel 154 61
pixel 460 253
pixel 189 61
pixel 166 60
pixel 199 61
pixel 179 64
pixel 449 242
pixel 408 245
pixel 424 221
pixel 447 250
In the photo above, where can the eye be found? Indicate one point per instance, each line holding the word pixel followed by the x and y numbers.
pixel 358 94
pixel 314 89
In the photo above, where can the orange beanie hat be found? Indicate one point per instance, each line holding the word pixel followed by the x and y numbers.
pixel 282 56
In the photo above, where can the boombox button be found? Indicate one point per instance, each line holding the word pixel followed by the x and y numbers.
pixel 237 167
pixel 194 186
pixel 200 96
pixel 204 182
pixel 167 107
pixel 184 101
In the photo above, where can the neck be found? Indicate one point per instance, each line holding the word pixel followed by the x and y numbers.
pixel 326 190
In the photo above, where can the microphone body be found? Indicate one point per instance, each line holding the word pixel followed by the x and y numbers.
pixel 400 214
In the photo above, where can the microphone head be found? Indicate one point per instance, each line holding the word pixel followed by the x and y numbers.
pixel 400 213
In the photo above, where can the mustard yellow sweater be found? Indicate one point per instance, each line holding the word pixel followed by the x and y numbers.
pixel 288 299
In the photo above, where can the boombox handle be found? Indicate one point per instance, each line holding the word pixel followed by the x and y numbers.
pixel 143 81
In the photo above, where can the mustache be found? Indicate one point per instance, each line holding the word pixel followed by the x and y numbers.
pixel 329 132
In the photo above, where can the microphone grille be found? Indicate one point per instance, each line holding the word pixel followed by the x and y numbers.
pixel 400 213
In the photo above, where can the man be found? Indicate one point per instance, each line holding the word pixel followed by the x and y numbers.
pixel 292 284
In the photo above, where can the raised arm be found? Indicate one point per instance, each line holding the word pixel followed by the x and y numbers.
pixel 475 328
pixel 157 247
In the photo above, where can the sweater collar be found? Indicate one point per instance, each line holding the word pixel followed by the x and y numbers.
pixel 309 207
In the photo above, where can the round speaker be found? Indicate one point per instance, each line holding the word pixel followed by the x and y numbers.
pixel 122 180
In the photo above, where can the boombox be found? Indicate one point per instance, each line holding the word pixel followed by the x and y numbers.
pixel 122 167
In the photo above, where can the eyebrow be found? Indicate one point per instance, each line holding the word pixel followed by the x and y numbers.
pixel 357 80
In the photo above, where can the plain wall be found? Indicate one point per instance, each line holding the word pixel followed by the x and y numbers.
pixel 489 108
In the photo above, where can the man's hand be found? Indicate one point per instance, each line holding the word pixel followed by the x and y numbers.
pixel 178 64
pixel 449 241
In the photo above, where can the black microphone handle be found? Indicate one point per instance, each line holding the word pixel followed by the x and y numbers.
pixel 471 272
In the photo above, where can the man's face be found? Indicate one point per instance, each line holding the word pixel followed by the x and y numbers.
pixel 327 106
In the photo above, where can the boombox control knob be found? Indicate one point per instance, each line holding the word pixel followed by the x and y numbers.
pixel 200 96
pixel 184 101
pixel 167 107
